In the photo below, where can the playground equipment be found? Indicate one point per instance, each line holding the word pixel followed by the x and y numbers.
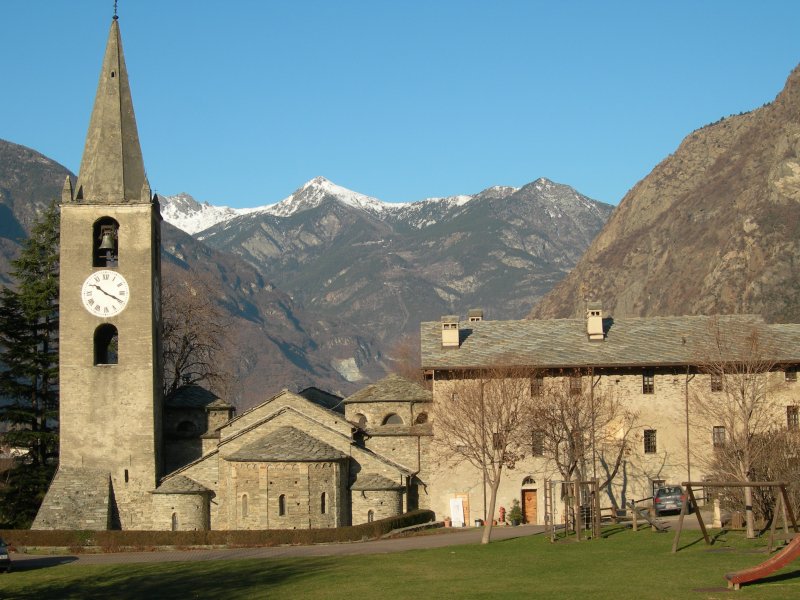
pixel 644 513
pixel 772 564
pixel 580 507
pixel 783 507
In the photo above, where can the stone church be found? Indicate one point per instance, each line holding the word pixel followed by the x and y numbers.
pixel 130 458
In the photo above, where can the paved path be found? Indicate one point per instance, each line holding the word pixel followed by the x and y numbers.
pixel 457 537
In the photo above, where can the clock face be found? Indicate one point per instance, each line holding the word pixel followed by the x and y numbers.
pixel 105 293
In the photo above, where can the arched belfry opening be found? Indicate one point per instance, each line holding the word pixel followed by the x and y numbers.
pixel 106 345
pixel 105 242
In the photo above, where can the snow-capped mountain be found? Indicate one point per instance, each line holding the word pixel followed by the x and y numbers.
pixel 313 192
pixel 191 216
pixel 386 267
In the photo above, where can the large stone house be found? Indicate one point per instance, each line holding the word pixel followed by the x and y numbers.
pixel 653 366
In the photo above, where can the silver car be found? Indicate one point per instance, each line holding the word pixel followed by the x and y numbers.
pixel 668 498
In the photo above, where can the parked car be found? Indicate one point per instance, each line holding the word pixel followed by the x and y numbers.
pixel 5 559
pixel 668 498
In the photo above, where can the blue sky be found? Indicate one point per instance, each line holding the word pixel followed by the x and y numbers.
pixel 241 102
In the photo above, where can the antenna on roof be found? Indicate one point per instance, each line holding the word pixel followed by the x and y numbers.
pixel 115 10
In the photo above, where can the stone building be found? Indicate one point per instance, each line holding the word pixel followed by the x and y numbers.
pixel 110 364
pixel 131 459
pixel 290 463
pixel 652 365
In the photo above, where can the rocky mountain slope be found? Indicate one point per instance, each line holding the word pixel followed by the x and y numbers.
pixel 276 343
pixel 29 181
pixel 386 267
pixel 715 227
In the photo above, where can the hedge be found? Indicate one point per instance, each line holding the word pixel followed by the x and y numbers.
pixel 110 541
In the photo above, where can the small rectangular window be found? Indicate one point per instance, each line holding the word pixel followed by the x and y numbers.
pixel 537 442
pixel 716 382
pixel 575 384
pixel 650 446
pixel 790 373
pixel 792 418
pixel 537 385
pixel 648 382
pixel 718 435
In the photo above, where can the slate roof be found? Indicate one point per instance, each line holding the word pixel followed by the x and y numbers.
pixel 651 341
pixel 373 482
pixel 287 444
pixel 392 388
pixel 323 399
pixel 180 484
pixel 194 396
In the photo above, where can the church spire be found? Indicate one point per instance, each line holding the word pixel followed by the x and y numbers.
pixel 112 170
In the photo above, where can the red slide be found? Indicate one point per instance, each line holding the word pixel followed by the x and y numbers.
pixel 772 564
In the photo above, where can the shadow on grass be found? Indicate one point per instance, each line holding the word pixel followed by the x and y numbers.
pixel 607 533
pixel 776 578
pixel 690 544
pixel 200 579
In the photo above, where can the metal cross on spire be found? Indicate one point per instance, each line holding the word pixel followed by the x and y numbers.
pixel 115 10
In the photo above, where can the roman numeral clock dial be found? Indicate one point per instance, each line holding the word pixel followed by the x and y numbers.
pixel 105 293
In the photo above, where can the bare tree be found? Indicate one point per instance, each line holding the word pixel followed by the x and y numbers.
pixel 405 359
pixel 194 336
pixel 576 424
pixel 738 404
pixel 483 422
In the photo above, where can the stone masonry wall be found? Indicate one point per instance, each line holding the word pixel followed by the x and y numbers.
pixel 383 504
pixel 191 512
pixel 300 484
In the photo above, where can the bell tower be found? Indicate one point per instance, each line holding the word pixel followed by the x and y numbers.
pixel 110 351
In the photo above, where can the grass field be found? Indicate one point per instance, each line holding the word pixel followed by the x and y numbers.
pixel 623 565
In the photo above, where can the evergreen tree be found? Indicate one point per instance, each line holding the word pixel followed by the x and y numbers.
pixel 29 369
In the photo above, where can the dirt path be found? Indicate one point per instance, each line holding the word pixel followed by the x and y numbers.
pixel 456 537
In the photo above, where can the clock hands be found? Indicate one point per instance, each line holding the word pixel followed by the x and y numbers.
pixel 106 293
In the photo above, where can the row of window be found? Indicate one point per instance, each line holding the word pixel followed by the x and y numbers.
pixel 718 432
pixel 648 382
pixel 323 505
pixel 391 419
pixel 650 443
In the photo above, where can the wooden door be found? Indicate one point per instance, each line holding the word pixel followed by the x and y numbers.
pixel 529 506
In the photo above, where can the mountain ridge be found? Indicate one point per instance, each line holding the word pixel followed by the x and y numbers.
pixel 714 228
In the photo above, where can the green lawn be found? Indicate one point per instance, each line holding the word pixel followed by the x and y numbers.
pixel 623 565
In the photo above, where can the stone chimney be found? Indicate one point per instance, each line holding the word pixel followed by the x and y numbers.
pixel 450 331
pixel 475 314
pixel 594 321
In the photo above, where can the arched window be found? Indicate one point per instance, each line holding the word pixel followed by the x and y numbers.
pixel 421 418
pixel 322 507
pixel 106 345
pixel 392 419
pixel 361 420
pixel 105 249
pixel 281 505
pixel 174 521
pixel 370 516
pixel 244 506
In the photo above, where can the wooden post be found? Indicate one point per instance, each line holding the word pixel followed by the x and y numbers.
pixel 788 506
pixel 635 515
